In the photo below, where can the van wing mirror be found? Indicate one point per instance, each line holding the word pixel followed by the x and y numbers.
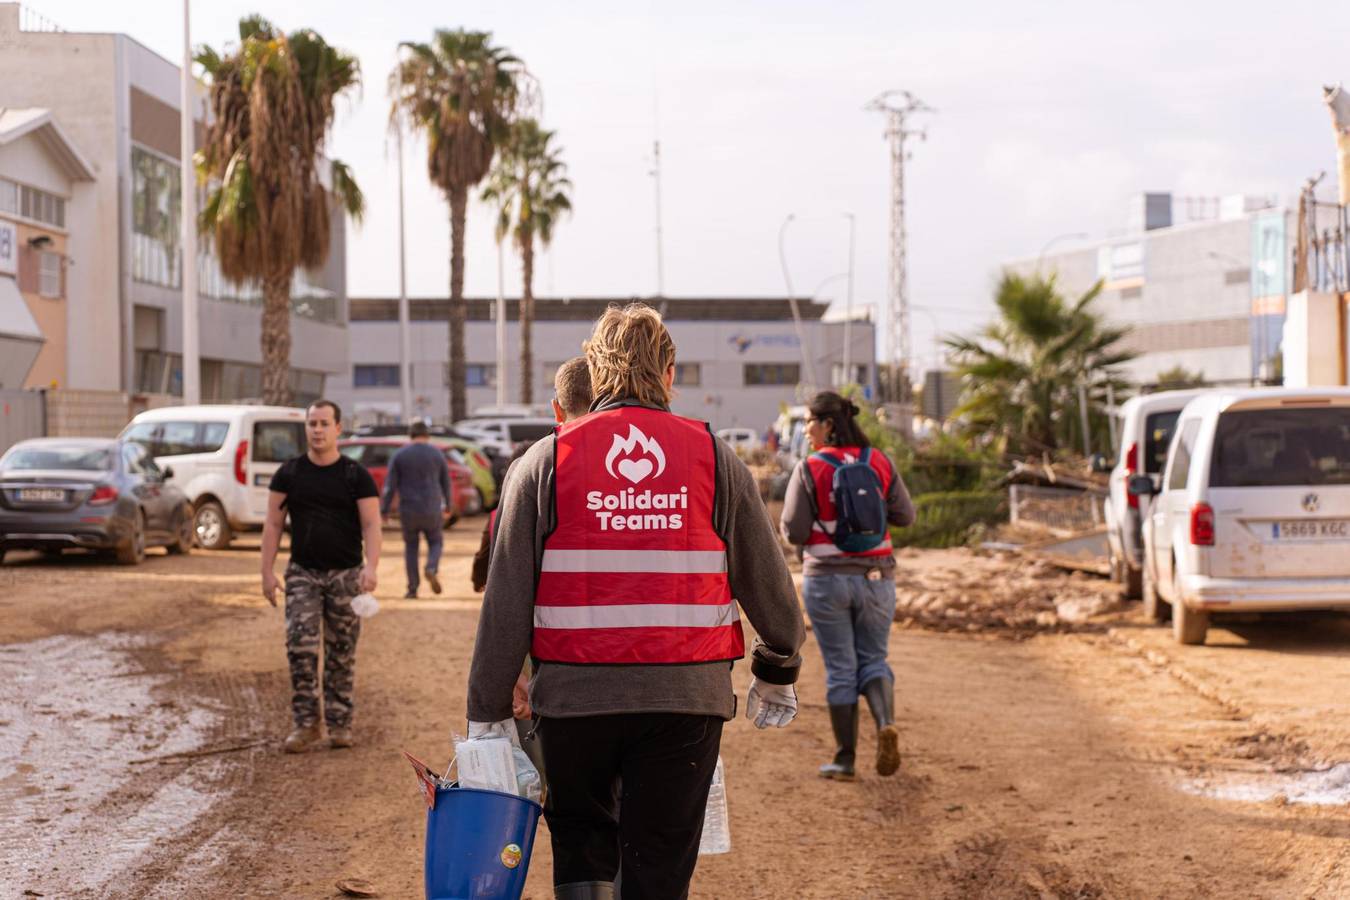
pixel 1141 486
pixel 168 472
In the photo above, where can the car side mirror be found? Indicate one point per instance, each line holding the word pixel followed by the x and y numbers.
pixel 1141 486
pixel 168 473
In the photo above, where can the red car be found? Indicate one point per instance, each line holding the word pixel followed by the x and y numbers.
pixel 374 453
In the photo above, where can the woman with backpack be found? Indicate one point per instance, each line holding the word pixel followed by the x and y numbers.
pixel 840 501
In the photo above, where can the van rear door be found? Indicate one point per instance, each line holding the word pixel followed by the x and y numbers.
pixel 272 442
pixel 1279 484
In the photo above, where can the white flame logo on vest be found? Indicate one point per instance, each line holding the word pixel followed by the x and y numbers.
pixel 611 509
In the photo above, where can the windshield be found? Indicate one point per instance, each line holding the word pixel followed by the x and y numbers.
pixel 1158 430
pixel 529 431
pixel 1282 448
pixel 73 457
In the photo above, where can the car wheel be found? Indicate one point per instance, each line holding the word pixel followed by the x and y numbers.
pixel 132 553
pixel 1189 626
pixel 211 527
pixel 1156 609
pixel 186 532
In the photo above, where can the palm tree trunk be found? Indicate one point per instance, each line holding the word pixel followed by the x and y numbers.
pixel 527 318
pixel 459 407
pixel 276 340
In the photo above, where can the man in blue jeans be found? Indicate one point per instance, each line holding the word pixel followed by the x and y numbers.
pixel 420 478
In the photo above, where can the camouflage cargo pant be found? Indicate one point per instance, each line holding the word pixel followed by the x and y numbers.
pixel 321 601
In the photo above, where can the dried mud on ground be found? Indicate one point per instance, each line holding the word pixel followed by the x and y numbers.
pixel 1087 758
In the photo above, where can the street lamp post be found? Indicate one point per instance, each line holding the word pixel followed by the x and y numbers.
pixel 192 380
pixel 807 361
pixel 848 303
pixel 404 326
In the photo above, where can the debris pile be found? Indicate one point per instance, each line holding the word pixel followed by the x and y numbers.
pixel 965 590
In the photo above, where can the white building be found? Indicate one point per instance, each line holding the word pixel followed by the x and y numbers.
pixel 737 359
pixel 117 105
pixel 1202 283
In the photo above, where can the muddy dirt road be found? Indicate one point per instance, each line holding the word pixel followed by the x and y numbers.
pixel 142 709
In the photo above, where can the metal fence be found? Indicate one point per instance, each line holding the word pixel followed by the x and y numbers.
pixel 23 415
pixel 1062 510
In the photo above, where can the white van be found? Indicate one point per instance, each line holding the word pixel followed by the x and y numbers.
pixel 1253 514
pixel 1146 424
pixel 223 458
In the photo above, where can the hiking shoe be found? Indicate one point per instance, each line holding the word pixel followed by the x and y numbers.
pixel 433 581
pixel 888 750
pixel 340 738
pixel 838 771
pixel 411 595
pixel 301 738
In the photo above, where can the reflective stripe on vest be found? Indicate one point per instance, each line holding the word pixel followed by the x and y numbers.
pixel 633 571
pixel 820 544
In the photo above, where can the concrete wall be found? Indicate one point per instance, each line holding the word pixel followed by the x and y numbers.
pixel 1313 335
pixel 720 348
pixel 50 313
pixel 74 413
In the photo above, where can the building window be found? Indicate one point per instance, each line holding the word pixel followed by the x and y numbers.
pixel 9 196
pixel 688 375
pixel 480 375
pixel 375 376
pixel 840 378
pixel 40 206
pixel 772 373
pixel 49 274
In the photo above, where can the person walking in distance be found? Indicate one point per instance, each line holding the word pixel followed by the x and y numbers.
pixel 839 503
pixel 419 477
pixel 335 510
pixel 620 546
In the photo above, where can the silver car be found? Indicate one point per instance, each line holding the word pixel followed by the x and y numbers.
pixel 90 493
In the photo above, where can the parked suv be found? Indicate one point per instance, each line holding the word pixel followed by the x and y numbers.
pixel 1253 514
pixel 1146 425
pixel 223 458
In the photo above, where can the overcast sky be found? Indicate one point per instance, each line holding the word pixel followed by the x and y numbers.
pixel 1050 116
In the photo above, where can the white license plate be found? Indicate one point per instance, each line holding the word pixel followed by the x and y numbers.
pixel 1311 530
pixel 41 495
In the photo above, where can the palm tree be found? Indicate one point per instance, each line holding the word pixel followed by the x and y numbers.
pixel 529 184
pixel 462 92
pixel 272 102
pixel 1021 374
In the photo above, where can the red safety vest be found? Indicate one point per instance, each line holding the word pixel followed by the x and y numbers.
pixel 633 571
pixel 820 545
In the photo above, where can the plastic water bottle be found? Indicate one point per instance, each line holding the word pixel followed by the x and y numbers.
pixel 716 825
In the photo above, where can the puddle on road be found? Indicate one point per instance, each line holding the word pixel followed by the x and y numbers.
pixel 75 712
pixel 1324 788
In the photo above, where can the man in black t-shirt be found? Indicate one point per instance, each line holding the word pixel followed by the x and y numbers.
pixel 335 509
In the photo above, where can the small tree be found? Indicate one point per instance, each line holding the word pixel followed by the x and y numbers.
pixel 272 102
pixel 1021 374
pixel 529 185
pixel 1180 378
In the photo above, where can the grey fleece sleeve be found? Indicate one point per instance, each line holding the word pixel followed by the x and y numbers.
pixel 797 515
pixel 899 508
pixel 506 624
pixel 759 577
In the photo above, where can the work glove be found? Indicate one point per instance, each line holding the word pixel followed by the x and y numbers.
pixel 770 704
pixel 503 729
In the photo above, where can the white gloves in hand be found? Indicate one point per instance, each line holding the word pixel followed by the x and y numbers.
pixel 771 705
pixel 503 729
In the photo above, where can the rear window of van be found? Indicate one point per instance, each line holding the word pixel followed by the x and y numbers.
pixel 1282 448
pixel 278 441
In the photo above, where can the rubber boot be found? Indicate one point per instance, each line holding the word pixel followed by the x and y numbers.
pixel 880 694
pixel 844 722
pixel 584 890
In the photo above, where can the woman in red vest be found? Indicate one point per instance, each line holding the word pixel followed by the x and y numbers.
pixel 627 546
pixel 848 572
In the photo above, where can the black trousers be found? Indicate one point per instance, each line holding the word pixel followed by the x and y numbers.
pixel 629 789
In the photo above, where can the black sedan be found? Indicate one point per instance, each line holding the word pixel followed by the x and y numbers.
pixel 90 493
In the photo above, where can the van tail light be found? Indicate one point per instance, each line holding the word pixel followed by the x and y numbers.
pixel 1132 469
pixel 1202 525
pixel 240 456
pixel 103 495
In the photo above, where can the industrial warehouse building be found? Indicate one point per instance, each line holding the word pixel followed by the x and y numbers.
pixel 1202 283
pixel 738 359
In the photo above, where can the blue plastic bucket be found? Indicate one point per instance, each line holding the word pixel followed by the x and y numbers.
pixel 478 844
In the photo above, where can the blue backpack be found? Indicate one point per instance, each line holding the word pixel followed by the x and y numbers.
pixel 859 504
